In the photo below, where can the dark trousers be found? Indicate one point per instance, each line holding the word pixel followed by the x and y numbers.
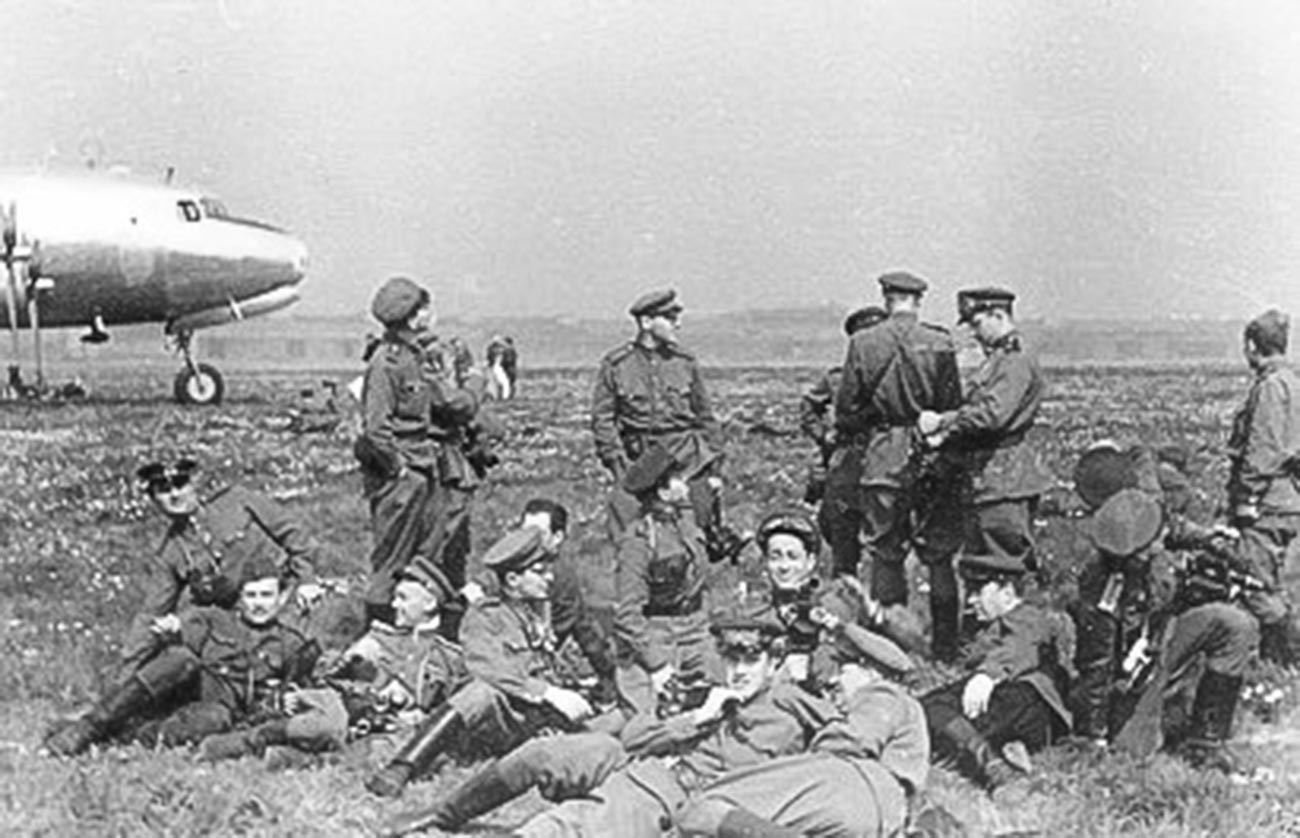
pixel 1016 711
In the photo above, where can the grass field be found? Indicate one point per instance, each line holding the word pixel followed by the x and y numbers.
pixel 75 536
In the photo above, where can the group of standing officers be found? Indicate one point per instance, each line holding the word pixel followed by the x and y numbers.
pixel 689 701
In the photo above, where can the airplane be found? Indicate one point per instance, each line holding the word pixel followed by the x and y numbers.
pixel 99 250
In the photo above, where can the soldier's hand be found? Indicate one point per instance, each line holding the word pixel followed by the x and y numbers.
pixel 1246 513
pixel 659 679
pixel 714 705
pixel 168 624
pixel 929 423
pixel 571 705
pixel 975 697
pixel 824 618
pixel 1225 532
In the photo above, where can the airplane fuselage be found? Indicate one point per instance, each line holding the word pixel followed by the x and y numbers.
pixel 124 252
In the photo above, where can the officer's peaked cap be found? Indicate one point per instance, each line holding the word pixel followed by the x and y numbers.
pixel 901 282
pixel 972 301
pixel 792 522
pixel 424 572
pixel 516 550
pixel 652 303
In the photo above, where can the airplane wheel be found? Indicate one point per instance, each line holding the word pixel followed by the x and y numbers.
pixel 202 387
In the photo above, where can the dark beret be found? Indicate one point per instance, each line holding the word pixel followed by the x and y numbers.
pixel 1126 523
pixel 864 318
pixel 901 282
pixel 1101 472
pixel 397 299
pixel 655 302
pixel 972 301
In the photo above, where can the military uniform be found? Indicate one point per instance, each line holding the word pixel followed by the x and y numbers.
pixel 415 474
pixel 428 667
pixel 893 372
pixel 1028 653
pixel 646 394
pixel 206 555
pixel 1136 635
pixel 660 620
pixel 678 759
pixel 856 779
pixel 992 434
pixel 1263 482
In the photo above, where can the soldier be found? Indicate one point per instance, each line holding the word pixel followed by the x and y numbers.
pixel 517 687
pixel 416 477
pixel 990 434
pixel 659 624
pixel 242 662
pixel 1263 492
pixel 1139 633
pixel 1013 700
pixel 748 721
pixel 893 373
pixel 837 492
pixel 805 601
pixel 209 541
pixel 648 390
pixel 859 775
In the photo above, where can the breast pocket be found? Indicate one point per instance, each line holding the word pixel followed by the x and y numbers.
pixel 413 397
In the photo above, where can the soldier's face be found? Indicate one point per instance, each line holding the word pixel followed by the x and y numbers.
pixel 413 604
pixel 533 582
pixel 749 672
pixel 422 318
pixel 177 499
pixel 260 600
pixel 989 600
pixel 664 326
pixel 675 492
pixel 789 564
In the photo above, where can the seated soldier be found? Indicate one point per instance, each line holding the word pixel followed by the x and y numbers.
pixel 799 596
pixel 391 677
pixel 517 688
pixel 1140 638
pixel 1013 701
pixel 209 540
pixel 242 661
pixel 748 721
pixel 859 774
pixel 660 625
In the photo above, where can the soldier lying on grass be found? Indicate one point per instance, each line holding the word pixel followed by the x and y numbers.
pixel 241 663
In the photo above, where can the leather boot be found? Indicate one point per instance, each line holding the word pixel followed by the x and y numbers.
pixel 484 791
pixel 102 720
pixel 944 613
pixel 1212 712
pixel 432 738
pixel 242 743
pixel 976 758
pixel 742 823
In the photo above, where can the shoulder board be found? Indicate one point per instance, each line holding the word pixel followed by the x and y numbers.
pixel 614 356
pixel 679 351
pixel 935 327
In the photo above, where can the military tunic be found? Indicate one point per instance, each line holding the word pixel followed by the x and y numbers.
pixel 1029 654
pixel 645 395
pixel 677 759
pixel 892 373
pixel 205 555
pixel 855 780
pixel 242 671
pixel 414 473
pixel 992 434
pixel 660 620
pixel 428 667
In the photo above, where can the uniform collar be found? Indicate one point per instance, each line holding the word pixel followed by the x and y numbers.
pixel 1268 366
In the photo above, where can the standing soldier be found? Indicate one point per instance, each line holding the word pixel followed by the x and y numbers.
pixel 1263 492
pixel 990 433
pixel 648 390
pixel 894 372
pixel 415 474
pixel 837 492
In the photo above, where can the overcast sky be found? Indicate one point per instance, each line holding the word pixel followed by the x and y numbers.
pixel 559 156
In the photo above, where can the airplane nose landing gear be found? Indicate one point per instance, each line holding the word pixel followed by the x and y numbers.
pixel 196 383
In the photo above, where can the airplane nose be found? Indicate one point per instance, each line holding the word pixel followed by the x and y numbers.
pixel 298 260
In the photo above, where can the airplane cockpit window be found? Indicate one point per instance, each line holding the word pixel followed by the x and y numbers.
pixel 214 208
pixel 189 211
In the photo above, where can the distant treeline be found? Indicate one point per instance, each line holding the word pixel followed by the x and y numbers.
pixel 801 338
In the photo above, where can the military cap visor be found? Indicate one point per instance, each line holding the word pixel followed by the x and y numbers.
pixel 422 572
pixel 977 300
pixel 517 550
pixel 158 476
pixel 985 568
pixel 901 282
pixel 656 303
pixel 790 522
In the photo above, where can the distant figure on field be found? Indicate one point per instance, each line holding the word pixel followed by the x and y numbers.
pixel 502 363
